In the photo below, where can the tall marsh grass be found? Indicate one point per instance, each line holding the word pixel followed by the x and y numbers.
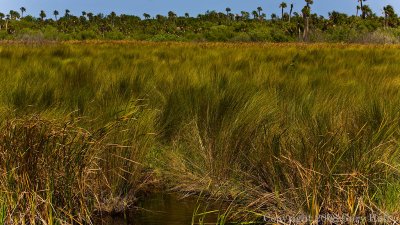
pixel 278 128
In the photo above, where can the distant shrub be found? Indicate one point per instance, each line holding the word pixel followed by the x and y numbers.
pixel 241 37
pixel 114 35
pixel 193 36
pixel 279 35
pixel 219 33
pixel 87 35
pixel 395 32
pixel 27 34
pixel 378 37
pixel 260 34
pixel 3 34
pixel 166 37
pixel 340 34
pixel 51 33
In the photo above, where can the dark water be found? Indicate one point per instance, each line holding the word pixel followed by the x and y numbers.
pixel 170 209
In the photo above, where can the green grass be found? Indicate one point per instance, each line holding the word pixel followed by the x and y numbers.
pixel 281 129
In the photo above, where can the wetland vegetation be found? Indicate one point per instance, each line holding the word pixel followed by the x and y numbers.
pixel 89 129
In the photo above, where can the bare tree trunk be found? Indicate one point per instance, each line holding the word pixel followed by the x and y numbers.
pixel 299 33
pixel 306 28
pixel 386 21
pixel 362 10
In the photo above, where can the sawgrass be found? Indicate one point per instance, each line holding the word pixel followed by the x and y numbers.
pixel 279 128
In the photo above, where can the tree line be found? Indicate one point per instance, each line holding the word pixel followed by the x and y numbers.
pixel 289 25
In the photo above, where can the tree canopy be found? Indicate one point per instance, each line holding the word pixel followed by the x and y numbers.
pixel 230 25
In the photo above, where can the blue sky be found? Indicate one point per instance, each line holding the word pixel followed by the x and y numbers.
pixel 194 7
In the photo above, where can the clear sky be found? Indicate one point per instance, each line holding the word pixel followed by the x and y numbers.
pixel 194 7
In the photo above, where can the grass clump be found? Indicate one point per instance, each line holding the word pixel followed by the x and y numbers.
pixel 46 171
pixel 54 171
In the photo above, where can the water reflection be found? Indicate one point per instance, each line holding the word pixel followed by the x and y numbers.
pixel 169 209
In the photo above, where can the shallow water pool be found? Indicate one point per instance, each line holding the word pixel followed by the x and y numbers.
pixel 170 209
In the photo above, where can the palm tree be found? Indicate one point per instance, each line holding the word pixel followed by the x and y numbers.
pixel 42 15
pixel 273 16
pixel 171 15
pixel 390 16
pixel 366 11
pixel 263 16
pixel 100 16
pixel 56 13
pixel 112 17
pixel 90 16
pixel 306 15
pixel 290 13
pixel 146 16
pixel 23 9
pixel 283 5
pixel 385 12
pixel 245 15
pixel 11 13
pixel 255 14
pixel 358 9
pixel 187 15
pixel 259 9
pixel 67 12
pixel 14 15
pixel 1 18
pixel 84 13
pixel 228 10
pixel 7 20
pixel 160 18
pixel 361 7
pixel 231 16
